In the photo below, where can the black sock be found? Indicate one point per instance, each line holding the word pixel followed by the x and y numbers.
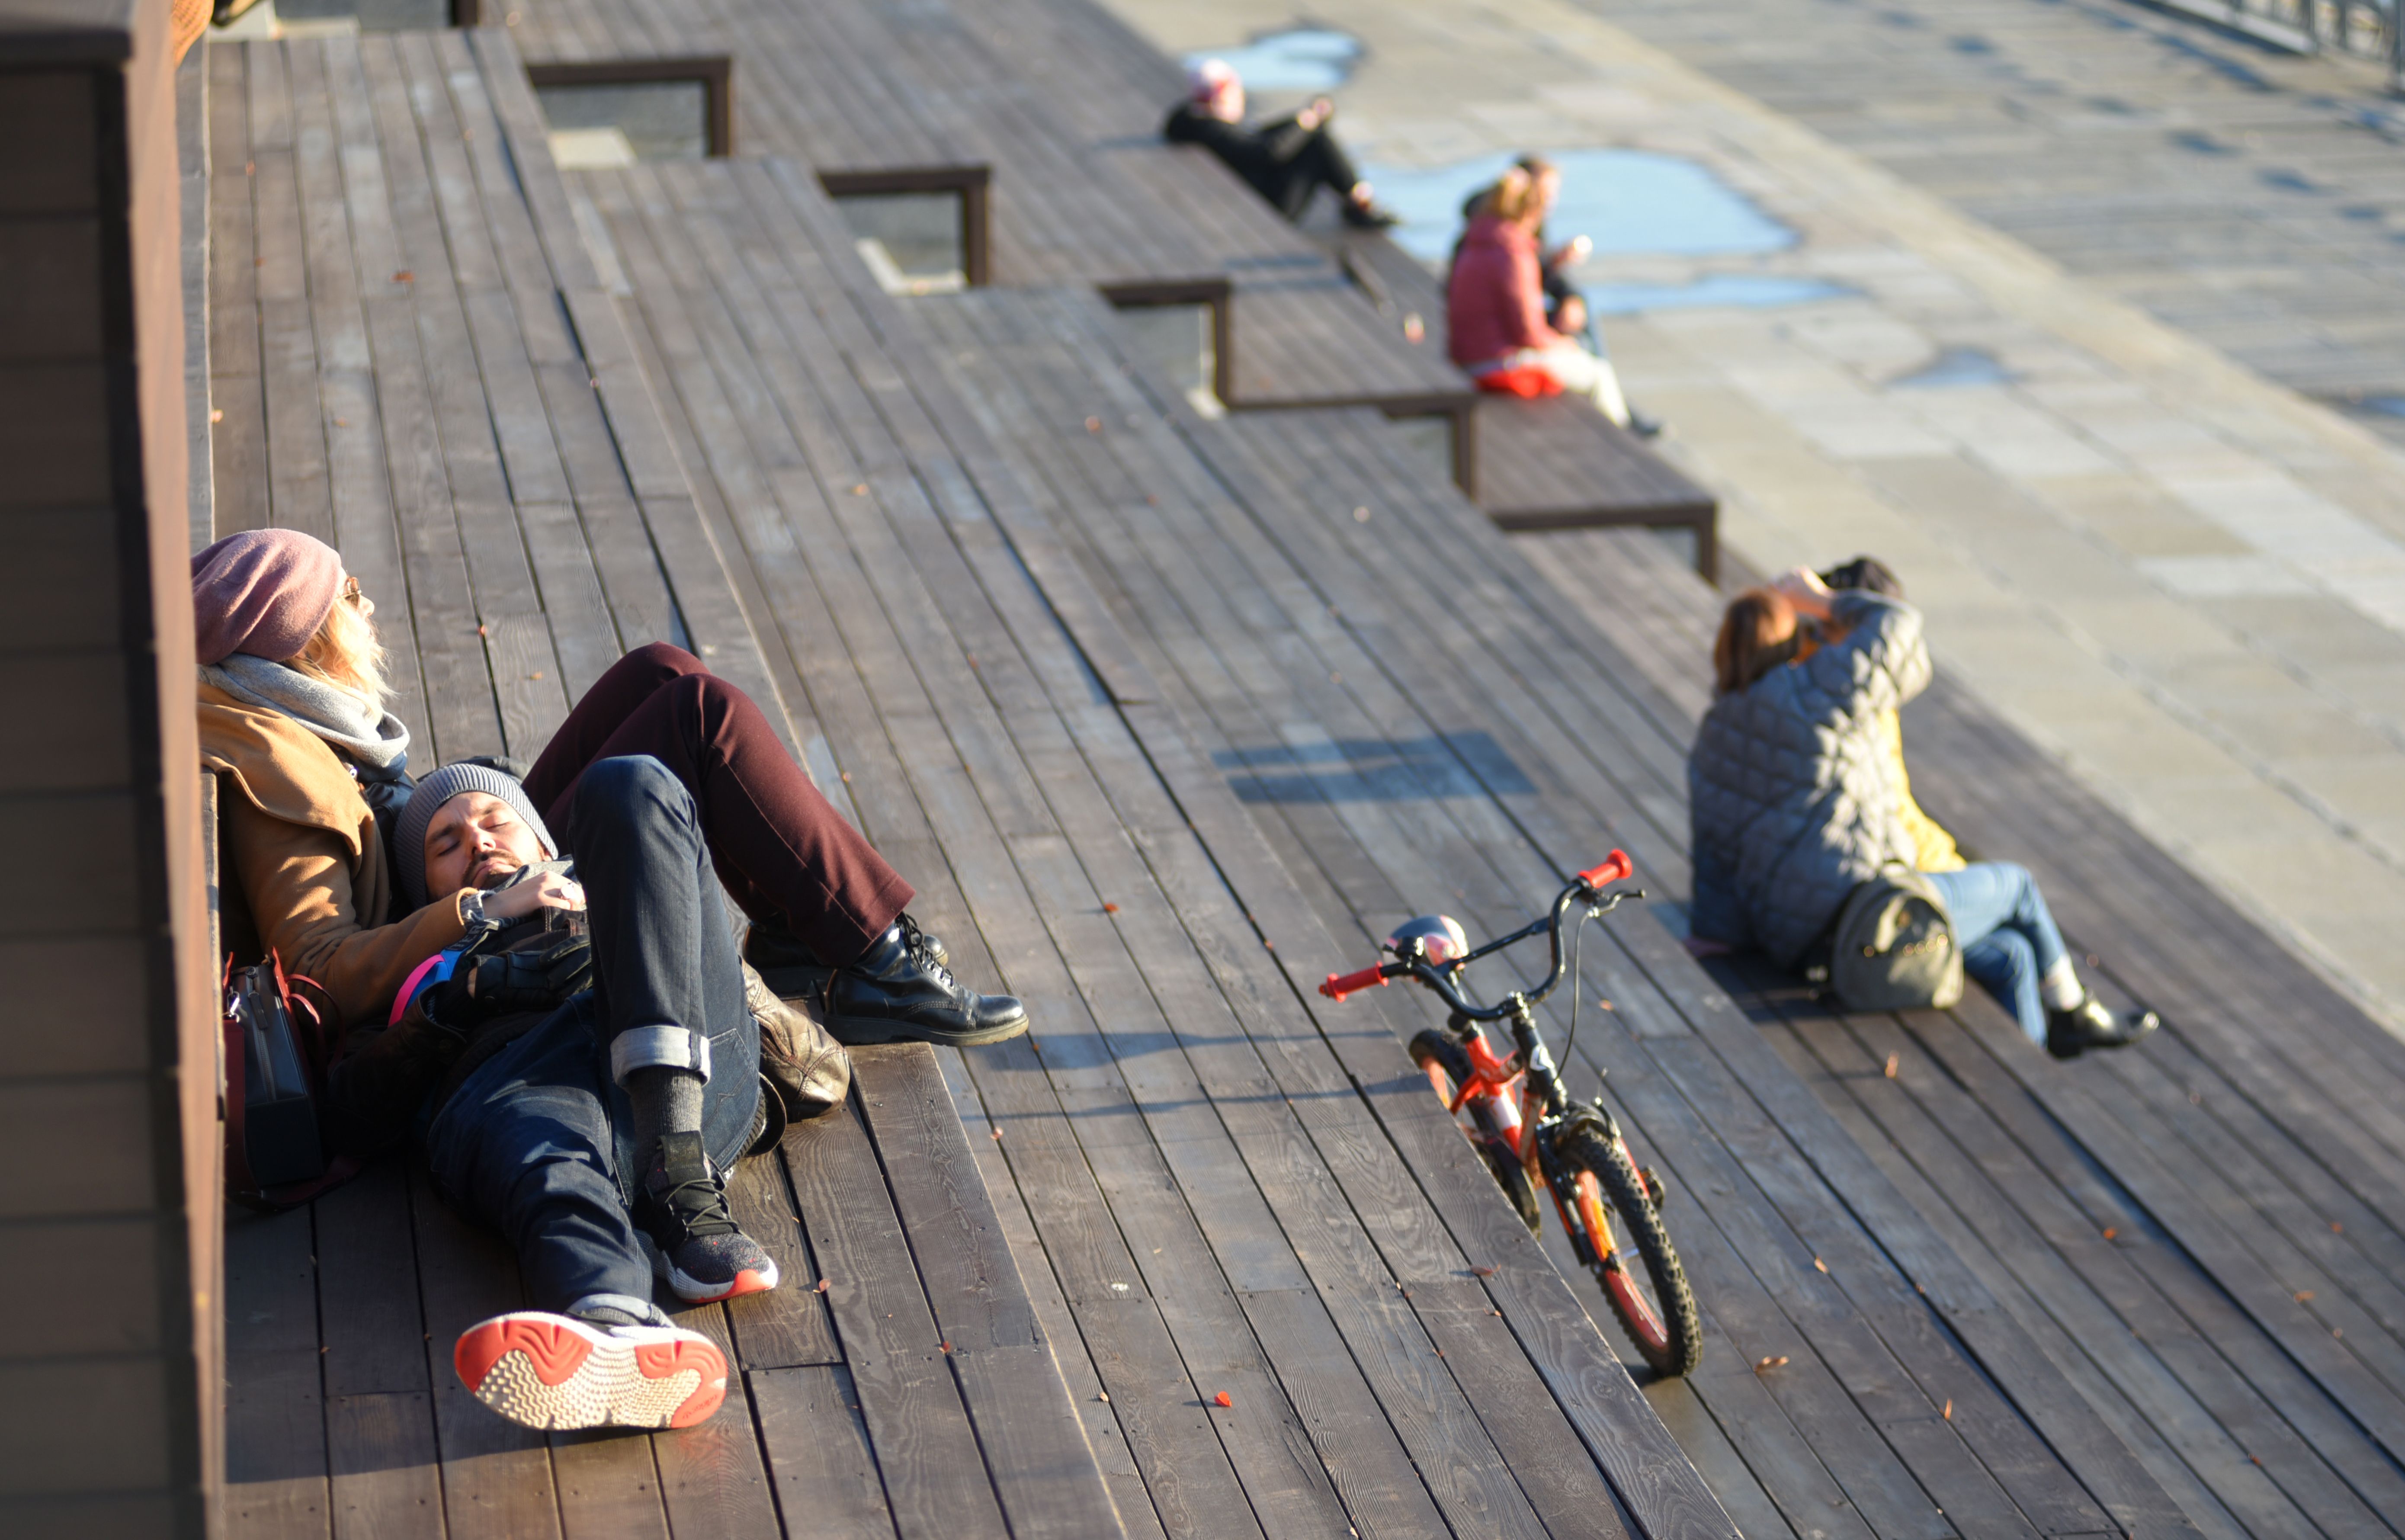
pixel 666 1101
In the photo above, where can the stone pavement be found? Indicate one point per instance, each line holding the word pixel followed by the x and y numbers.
pixel 2185 579
pixel 2254 198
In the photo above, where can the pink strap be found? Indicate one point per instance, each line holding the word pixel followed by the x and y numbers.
pixel 409 988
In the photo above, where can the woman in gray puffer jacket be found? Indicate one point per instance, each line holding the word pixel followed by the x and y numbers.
pixel 1795 795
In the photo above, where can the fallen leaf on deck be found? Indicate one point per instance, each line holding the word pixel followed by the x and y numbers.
pixel 1892 1062
pixel 822 1286
pixel 1222 1399
pixel 1817 1262
pixel 1481 1270
pixel 1770 1364
pixel 1948 1413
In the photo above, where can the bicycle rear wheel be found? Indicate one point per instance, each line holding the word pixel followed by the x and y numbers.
pixel 1447 1064
pixel 1593 1178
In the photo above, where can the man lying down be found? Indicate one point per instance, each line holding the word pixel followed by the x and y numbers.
pixel 588 1062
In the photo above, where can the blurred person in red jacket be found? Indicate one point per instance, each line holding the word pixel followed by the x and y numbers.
pixel 1496 302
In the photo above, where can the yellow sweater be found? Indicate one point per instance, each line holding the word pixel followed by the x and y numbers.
pixel 1932 846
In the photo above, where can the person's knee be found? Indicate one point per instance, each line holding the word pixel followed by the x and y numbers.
pixel 716 707
pixel 628 789
pixel 2011 874
pixel 664 658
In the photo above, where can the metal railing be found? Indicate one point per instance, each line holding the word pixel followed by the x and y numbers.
pixel 2362 29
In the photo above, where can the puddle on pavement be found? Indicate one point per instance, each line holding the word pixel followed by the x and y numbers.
pixel 1302 59
pixel 1738 291
pixel 1954 366
pixel 1630 203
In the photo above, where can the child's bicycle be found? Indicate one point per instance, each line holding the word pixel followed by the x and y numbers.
pixel 1517 1115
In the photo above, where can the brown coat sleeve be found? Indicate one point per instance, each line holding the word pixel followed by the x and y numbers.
pixel 298 884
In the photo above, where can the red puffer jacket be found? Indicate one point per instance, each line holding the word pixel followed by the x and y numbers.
pixel 1495 304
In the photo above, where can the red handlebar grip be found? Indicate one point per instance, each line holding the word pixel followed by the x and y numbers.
pixel 1341 984
pixel 1615 868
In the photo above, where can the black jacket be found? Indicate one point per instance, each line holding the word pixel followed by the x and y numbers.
pixel 1257 155
pixel 384 1072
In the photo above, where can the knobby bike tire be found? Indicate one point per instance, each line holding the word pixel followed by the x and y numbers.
pixel 1436 1053
pixel 1678 1347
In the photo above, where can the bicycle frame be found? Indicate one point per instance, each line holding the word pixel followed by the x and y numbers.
pixel 1519 1105
pixel 1525 1092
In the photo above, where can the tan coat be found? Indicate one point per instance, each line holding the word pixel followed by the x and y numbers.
pixel 301 847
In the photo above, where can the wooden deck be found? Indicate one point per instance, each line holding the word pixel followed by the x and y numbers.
pixel 1221 1192
pixel 1400 765
pixel 414 359
pixel 1066 107
pixel 1045 1260
pixel 1168 717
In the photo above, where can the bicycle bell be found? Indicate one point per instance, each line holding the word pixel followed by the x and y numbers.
pixel 1442 934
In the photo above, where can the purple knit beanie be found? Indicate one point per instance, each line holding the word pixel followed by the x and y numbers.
pixel 263 592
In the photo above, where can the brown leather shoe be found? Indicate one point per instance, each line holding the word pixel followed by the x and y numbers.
pixel 808 1068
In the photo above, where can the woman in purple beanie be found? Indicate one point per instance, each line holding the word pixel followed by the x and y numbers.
pixel 292 717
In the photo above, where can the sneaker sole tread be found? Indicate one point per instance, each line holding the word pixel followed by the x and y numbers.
pixel 556 1374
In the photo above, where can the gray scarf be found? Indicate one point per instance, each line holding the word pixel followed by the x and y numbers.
pixel 380 748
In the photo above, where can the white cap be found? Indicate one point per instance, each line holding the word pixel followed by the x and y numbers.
pixel 1204 76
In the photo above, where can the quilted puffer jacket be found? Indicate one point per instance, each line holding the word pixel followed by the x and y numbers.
pixel 1793 796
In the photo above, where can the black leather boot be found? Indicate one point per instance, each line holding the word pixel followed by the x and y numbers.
pixel 901 993
pixel 792 968
pixel 2092 1024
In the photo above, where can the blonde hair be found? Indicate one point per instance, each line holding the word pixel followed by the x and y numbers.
pixel 1514 197
pixel 346 654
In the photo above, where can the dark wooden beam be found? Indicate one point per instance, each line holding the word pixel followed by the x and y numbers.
pixel 1215 293
pixel 713 72
pixel 974 184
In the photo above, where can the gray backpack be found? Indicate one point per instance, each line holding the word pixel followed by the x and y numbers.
pixel 1894 946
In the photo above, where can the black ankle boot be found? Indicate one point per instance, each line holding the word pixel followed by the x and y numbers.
pixel 789 966
pixel 900 992
pixel 2092 1024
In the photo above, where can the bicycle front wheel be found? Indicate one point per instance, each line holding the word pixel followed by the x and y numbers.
pixel 1594 1179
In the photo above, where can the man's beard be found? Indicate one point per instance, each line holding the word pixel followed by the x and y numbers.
pixel 493 872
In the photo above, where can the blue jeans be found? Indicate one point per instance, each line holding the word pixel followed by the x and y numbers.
pixel 2008 938
pixel 537 1142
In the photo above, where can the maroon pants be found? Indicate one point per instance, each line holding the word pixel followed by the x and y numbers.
pixel 781 848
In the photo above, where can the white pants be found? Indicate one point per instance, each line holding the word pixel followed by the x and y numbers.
pixel 1581 374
